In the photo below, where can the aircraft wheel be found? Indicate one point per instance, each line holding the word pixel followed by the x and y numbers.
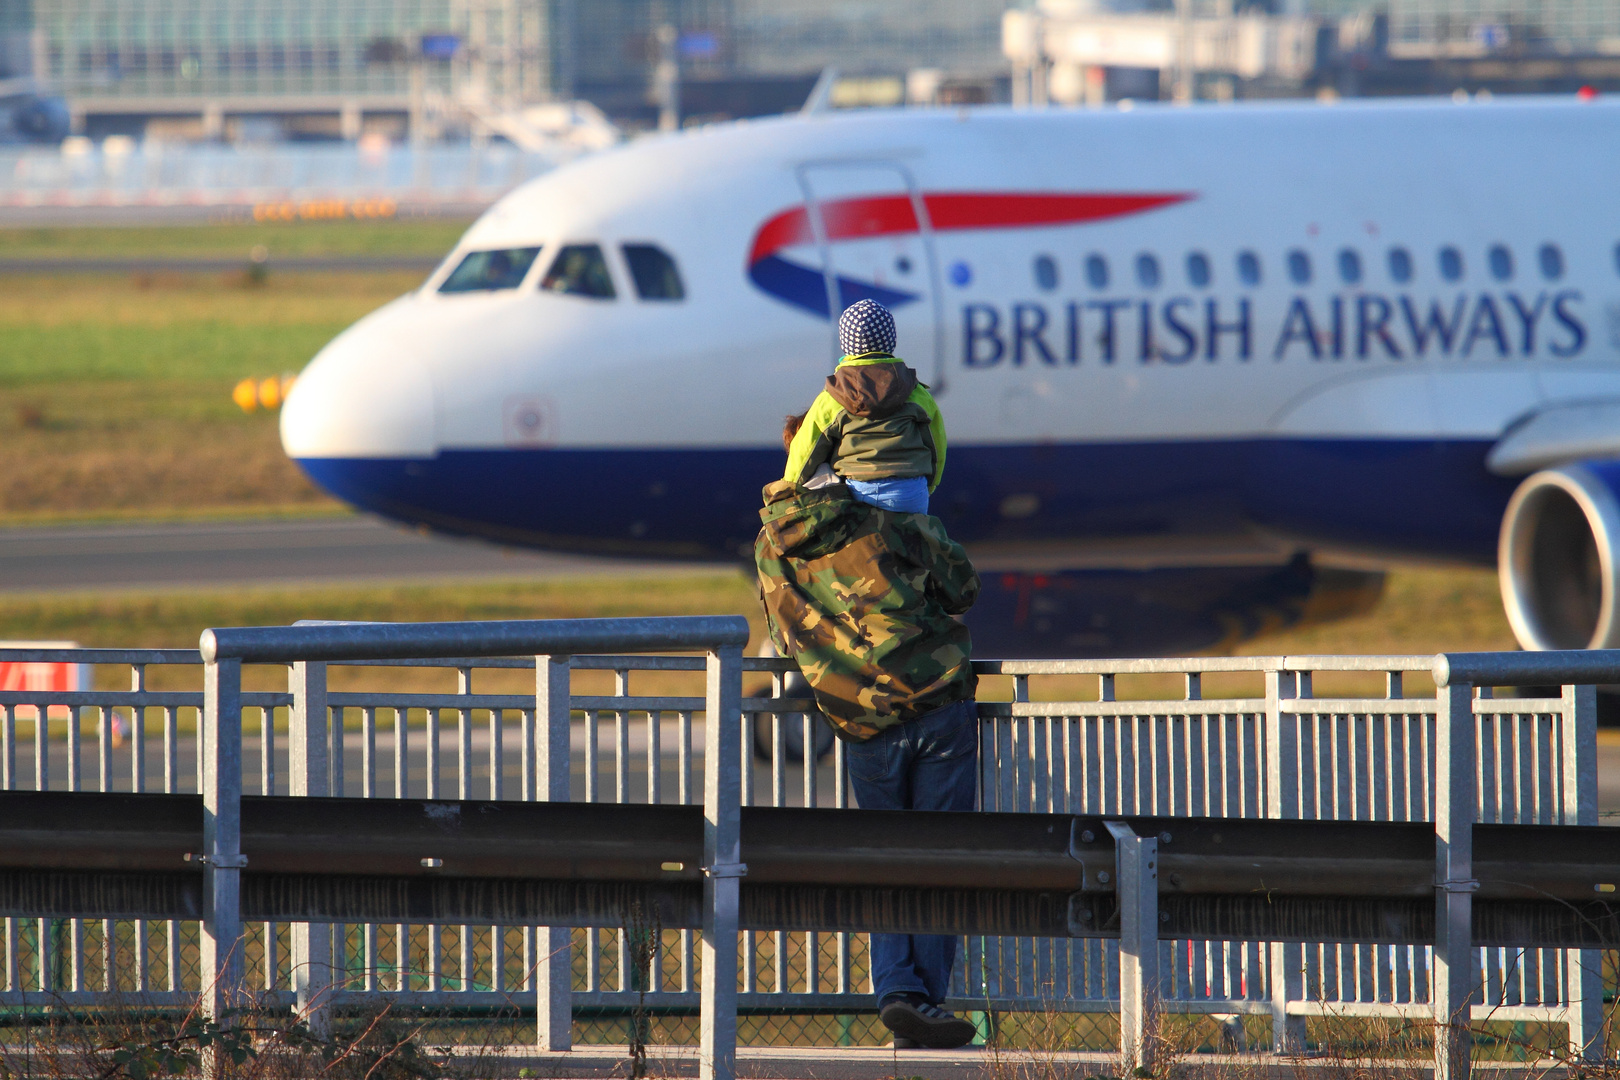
pixel 793 685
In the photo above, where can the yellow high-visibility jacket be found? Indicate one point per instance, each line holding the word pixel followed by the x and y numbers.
pixel 873 421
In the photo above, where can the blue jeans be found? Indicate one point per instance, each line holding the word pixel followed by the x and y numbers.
pixel 908 496
pixel 930 763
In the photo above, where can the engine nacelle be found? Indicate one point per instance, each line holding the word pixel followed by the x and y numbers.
pixel 31 118
pixel 1556 557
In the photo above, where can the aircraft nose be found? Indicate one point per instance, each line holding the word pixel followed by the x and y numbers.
pixel 363 396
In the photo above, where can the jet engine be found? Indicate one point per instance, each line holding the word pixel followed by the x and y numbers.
pixel 31 117
pixel 1556 557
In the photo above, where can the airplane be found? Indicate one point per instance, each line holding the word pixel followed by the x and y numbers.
pixel 1206 371
pixel 30 114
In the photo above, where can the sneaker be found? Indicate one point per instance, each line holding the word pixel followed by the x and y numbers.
pixel 925 1024
pixel 902 1043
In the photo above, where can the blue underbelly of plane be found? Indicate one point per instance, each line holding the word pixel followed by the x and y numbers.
pixel 1410 498
pixel 1427 498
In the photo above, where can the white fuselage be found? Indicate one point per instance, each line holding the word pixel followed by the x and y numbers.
pixel 1226 332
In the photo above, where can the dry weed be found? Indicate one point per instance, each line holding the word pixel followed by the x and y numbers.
pixel 129 1041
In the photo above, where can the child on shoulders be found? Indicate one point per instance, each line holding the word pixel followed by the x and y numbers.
pixel 874 426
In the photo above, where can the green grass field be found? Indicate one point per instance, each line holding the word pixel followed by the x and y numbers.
pixel 115 390
pixel 174 619
pixel 1423 611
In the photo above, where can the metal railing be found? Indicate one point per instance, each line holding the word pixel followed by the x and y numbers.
pixel 1284 753
pixel 308 648
pixel 1270 748
pixel 1288 753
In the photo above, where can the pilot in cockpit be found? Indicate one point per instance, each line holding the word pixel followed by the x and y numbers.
pixel 497 269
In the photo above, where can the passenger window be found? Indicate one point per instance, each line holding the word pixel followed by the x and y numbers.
pixel 1248 267
pixel 1046 272
pixel 1097 271
pixel 580 270
pixel 1198 269
pixel 654 272
pixel 1299 267
pixel 1349 266
pixel 1147 271
pixel 1400 265
pixel 487 271
pixel 1451 264
pixel 1552 262
pixel 1500 260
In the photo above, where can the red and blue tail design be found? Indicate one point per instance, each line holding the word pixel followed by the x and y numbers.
pixel 864 217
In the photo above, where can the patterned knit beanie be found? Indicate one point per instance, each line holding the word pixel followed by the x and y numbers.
pixel 865 327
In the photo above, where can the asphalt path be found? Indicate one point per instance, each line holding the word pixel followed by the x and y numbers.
pixel 225 554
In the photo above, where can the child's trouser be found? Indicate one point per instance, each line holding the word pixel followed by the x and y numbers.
pixel 907 496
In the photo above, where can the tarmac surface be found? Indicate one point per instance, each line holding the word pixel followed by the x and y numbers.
pixel 83 558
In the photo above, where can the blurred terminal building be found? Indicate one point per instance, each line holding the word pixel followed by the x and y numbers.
pixel 330 69
pixel 431 69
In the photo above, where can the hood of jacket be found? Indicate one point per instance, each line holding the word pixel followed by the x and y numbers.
pixel 872 390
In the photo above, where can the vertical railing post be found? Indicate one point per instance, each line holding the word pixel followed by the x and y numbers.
pixel 1584 1000
pixel 1137 869
pixel 1455 959
pixel 722 862
pixel 1286 959
pixel 310 776
pixel 221 946
pixel 553 945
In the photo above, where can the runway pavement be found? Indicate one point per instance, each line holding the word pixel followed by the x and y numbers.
pixel 224 554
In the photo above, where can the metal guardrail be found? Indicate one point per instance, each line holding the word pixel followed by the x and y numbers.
pixel 307 648
pixel 406 757
pixel 1286 752
pixel 1272 750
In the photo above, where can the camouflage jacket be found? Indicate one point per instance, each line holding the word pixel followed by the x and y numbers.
pixel 863 599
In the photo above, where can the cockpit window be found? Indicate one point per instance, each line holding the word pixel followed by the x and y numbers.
pixel 580 270
pixel 655 273
pixel 486 271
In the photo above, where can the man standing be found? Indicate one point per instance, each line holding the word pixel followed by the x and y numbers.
pixel 864 599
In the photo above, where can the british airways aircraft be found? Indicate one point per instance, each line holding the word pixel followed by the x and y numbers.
pixel 1205 371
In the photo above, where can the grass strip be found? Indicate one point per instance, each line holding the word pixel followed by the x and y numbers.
pixel 115 391
pixel 174 620
pixel 1423 610
pixel 426 236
